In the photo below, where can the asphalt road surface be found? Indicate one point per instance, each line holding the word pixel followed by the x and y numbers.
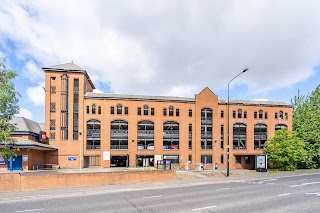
pixel 286 194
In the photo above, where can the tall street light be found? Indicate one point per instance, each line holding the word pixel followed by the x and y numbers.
pixel 228 147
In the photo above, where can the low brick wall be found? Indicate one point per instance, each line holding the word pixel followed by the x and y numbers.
pixel 9 182
pixel 35 181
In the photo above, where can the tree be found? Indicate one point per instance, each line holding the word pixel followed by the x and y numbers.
pixel 306 123
pixel 8 108
pixel 285 150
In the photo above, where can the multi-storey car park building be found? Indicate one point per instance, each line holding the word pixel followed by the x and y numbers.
pixel 106 130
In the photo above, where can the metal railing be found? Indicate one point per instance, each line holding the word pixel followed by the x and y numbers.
pixel 119 147
pixel 93 147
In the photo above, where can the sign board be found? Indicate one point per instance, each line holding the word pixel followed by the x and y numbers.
pixel 24 158
pixel 2 160
pixel 106 155
pixel 71 158
pixel 261 163
pixel 170 156
pixel 157 157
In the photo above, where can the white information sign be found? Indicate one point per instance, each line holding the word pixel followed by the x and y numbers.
pixel 106 155
pixel 24 158
pixel 157 157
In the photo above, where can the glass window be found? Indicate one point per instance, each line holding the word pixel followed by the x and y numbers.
pixel 164 112
pixel 222 114
pixel 88 109
pixel 221 159
pixel 152 111
pixel 99 110
pixel 139 110
pixel 190 112
pixel 238 159
pixel 276 115
pixel 286 116
pixel 206 159
pixel 239 136
pixel 119 109
pixel 239 113
pixel 93 109
pixel 177 112
pixel 171 111
pixel 281 115
pixel 265 115
pixel 146 110
pixel 260 114
pixel 245 114
pixel 112 110
pixel 255 114
pixel 126 110
pixel 234 114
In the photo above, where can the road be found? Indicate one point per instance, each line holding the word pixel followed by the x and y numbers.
pixel 283 194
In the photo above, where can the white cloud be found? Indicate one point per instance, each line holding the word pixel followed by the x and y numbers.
pixel 176 48
pixel 97 91
pixel 36 95
pixel 33 72
pixel 24 113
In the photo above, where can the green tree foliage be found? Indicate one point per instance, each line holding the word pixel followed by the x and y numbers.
pixel 306 122
pixel 285 150
pixel 8 107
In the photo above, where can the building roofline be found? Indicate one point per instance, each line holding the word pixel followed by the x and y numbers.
pixel 92 95
pixel 72 69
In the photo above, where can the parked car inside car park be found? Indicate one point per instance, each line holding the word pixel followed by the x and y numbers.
pixel 140 146
pixel 150 146
pixel 174 146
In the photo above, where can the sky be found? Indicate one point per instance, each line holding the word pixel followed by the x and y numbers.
pixel 165 47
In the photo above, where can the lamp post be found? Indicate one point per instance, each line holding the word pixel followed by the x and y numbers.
pixel 228 124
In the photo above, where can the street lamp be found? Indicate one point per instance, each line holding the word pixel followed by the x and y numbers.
pixel 228 147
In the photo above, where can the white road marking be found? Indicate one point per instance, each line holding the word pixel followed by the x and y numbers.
pixel 152 196
pixel 303 179
pixel 316 193
pixel 268 180
pixel 284 194
pixel 222 188
pixel 31 210
pixel 208 207
pixel 304 184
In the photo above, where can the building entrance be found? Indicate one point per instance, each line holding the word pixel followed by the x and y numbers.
pixel 120 161
pixel 145 160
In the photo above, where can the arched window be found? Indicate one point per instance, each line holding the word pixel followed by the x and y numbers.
pixel 145 110
pixel 281 126
pixel 260 136
pixel 206 128
pixel 281 115
pixel 239 113
pixel 239 136
pixel 146 135
pixel 119 109
pixel 119 134
pixel 170 135
pixel 260 114
pixel 171 111
pixel 93 109
pixel 93 134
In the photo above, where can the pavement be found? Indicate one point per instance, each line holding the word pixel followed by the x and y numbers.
pixel 184 178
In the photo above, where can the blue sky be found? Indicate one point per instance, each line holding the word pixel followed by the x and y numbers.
pixel 173 48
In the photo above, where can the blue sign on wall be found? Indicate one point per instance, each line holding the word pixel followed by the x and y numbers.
pixel 72 158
